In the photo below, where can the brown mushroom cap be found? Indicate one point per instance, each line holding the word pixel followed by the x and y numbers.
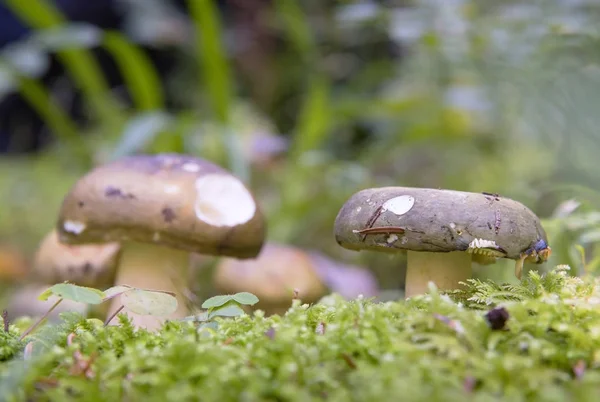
pixel 171 200
pixel 273 276
pixel 86 265
pixel 436 221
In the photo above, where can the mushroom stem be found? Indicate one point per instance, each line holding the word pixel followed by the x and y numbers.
pixel 443 269
pixel 148 266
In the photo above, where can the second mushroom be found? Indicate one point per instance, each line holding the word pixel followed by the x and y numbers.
pixel 442 231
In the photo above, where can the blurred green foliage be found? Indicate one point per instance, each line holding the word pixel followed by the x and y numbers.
pixel 469 95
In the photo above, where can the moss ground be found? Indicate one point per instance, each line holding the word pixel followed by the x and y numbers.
pixel 539 340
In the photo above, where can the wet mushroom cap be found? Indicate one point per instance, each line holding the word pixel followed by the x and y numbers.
pixel 171 200
pixel 420 219
pixel 85 265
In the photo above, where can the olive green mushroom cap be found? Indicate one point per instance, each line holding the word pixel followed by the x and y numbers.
pixel 420 219
pixel 171 200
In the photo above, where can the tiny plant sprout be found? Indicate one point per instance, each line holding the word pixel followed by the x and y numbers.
pixel 160 209
pixel 222 306
pixel 24 302
pixel 442 231
pixel 66 291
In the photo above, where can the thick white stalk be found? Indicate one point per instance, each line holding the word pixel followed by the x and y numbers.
pixel 446 270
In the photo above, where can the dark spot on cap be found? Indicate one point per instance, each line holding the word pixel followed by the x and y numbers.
pixel 81 204
pixel 497 318
pixel 71 269
pixel 87 268
pixel 168 215
pixel 114 192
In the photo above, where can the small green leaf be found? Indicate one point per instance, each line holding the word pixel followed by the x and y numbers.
pixel 115 291
pixel 245 298
pixel 216 301
pixel 230 310
pixel 77 293
pixel 147 302
pixel 45 295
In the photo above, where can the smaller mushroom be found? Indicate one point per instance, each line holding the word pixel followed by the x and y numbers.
pixel 281 273
pixel 442 231
pixel 90 265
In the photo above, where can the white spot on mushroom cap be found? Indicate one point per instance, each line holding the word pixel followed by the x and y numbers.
pixel 74 227
pixel 223 200
pixel 399 205
pixel 190 167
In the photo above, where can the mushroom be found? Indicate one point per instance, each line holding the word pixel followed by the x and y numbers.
pixel 161 208
pixel 86 265
pixel 442 231
pixel 282 272
pixel 278 275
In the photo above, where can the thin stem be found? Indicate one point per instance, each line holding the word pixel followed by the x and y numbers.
pixel 39 321
pixel 113 315
pixel 5 320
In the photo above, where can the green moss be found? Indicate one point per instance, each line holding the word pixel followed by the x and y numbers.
pixel 435 348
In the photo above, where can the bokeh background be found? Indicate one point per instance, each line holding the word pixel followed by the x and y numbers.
pixel 308 101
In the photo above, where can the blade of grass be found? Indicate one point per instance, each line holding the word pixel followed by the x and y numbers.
pixel 314 119
pixel 137 70
pixel 217 78
pixel 313 122
pixel 215 68
pixel 59 122
pixel 297 27
pixel 41 14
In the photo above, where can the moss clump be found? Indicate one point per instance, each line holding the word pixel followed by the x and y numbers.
pixel 435 348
